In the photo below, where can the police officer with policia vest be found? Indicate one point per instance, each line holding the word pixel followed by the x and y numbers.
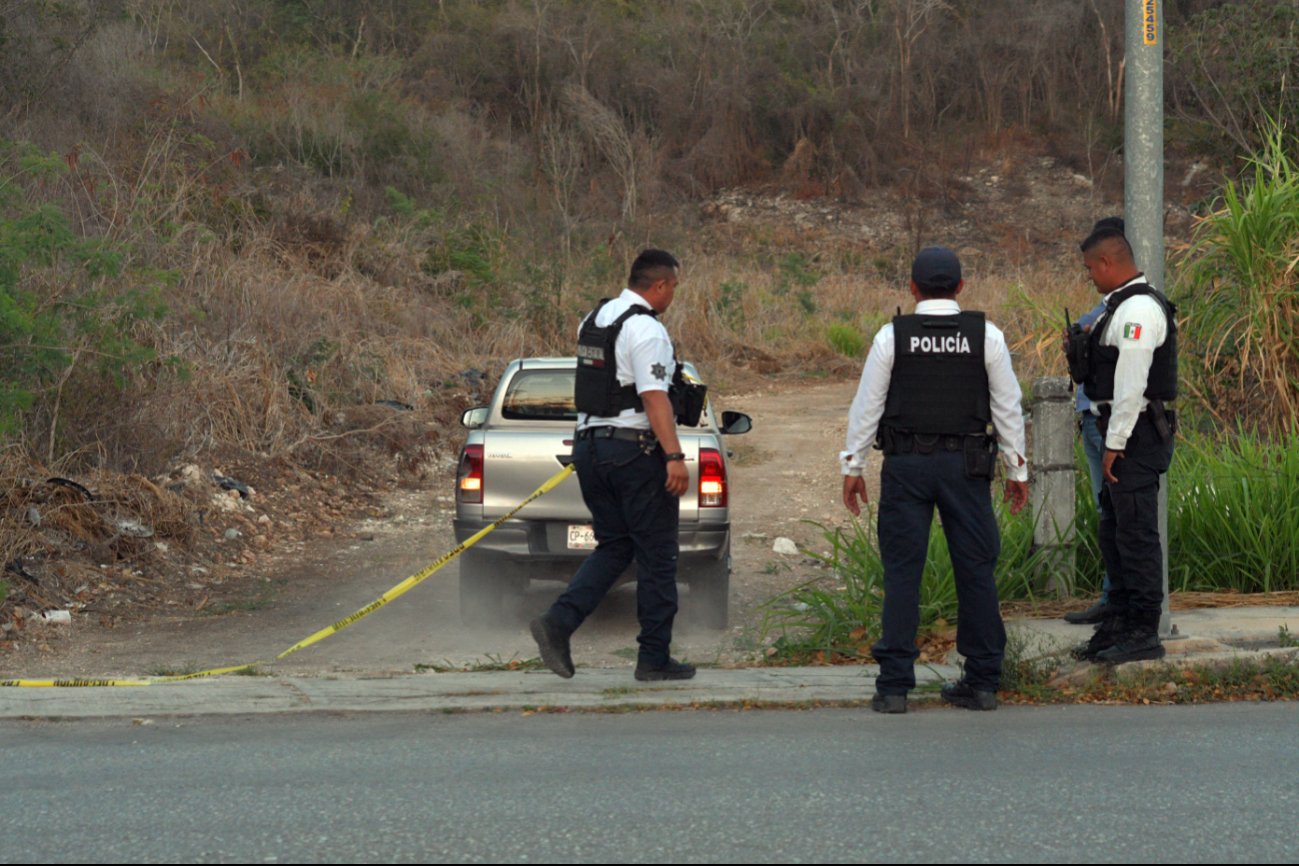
pixel 1127 361
pixel 631 468
pixel 934 383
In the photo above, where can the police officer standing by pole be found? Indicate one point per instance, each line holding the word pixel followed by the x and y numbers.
pixel 631 469
pixel 1094 449
pixel 934 383
pixel 1127 360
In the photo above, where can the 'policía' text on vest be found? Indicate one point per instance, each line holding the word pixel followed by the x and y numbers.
pixel 954 345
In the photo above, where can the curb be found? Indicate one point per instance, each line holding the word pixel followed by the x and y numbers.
pixel 590 690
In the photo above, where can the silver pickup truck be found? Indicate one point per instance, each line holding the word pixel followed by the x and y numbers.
pixel 521 439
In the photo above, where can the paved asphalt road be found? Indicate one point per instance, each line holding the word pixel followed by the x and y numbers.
pixel 1216 783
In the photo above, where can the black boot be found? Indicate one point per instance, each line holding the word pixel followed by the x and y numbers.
pixel 1094 614
pixel 1139 643
pixel 552 641
pixel 962 694
pixel 671 670
pixel 1107 634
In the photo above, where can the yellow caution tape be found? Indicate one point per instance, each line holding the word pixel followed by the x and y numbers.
pixel 394 593
pixel 59 684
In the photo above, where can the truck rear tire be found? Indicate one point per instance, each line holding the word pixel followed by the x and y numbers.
pixel 710 591
pixel 484 583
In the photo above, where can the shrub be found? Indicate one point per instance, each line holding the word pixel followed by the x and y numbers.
pixel 845 339
pixel 59 306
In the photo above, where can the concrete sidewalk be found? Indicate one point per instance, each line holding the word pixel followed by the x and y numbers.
pixel 1205 636
pixel 450 692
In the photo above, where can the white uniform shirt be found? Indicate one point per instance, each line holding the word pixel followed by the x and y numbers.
pixel 1137 328
pixel 868 407
pixel 644 356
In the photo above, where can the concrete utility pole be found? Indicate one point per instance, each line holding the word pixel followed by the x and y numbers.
pixel 1143 170
pixel 1053 490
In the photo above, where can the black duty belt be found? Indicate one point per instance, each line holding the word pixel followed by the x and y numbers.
pixel 1159 418
pixel 923 443
pixel 606 432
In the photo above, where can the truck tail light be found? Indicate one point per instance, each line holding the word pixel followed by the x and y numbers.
pixel 469 479
pixel 712 479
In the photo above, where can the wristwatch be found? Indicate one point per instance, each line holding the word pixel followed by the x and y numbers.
pixel 678 455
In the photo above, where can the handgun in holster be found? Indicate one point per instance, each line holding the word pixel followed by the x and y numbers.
pixel 981 457
pixel 1163 420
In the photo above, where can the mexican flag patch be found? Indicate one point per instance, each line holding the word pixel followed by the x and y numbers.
pixel 1132 331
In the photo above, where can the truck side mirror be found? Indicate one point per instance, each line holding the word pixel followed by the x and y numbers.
pixel 475 417
pixel 735 423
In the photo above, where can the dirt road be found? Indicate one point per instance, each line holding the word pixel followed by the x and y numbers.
pixel 785 473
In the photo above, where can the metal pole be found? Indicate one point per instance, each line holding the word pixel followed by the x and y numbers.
pixel 1143 164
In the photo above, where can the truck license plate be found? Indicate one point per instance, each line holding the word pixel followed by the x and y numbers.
pixel 581 538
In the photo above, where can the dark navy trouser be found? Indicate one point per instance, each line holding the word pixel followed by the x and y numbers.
pixel 910 486
pixel 1129 524
pixel 635 517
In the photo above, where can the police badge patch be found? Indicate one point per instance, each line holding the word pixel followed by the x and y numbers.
pixel 659 371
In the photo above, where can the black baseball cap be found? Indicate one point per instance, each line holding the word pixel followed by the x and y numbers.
pixel 936 269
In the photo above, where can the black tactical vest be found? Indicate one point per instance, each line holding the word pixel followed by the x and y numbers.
pixel 1103 361
pixel 597 391
pixel 939 384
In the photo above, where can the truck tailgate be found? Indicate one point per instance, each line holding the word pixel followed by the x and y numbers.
pixel 518 461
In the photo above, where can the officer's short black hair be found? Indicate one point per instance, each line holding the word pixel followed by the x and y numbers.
pixel 650 267
pixel 1110 222
pixel 1114 241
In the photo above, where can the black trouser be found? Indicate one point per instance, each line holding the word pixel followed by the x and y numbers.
pixel 634 517
pixel 1129 522
pixel 910 486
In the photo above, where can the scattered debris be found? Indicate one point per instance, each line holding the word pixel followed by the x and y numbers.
pixel 134 529
pixel 785 547
pixel 232 484
pixel 57 617
pixel 72 485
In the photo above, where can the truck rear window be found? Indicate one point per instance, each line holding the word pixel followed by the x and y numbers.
pixel 540 395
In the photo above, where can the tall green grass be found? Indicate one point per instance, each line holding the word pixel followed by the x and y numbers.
pixel 1233 526
pixel 811 618
pixel 1233 514
pixel 1240 295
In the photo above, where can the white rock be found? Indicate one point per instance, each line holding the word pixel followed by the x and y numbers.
pixel 224 503
pixel 57 617
pixel 134 529
pixel 785 546
pixel 192 474
pixel 232 534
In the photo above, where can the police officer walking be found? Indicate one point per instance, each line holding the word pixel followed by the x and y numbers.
pixel 1129 361
pixel 933 384
pixel 631 469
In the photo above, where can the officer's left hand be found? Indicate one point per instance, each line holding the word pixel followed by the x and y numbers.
pixel 1016 495
pixel 1107 465
pixel 854 488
